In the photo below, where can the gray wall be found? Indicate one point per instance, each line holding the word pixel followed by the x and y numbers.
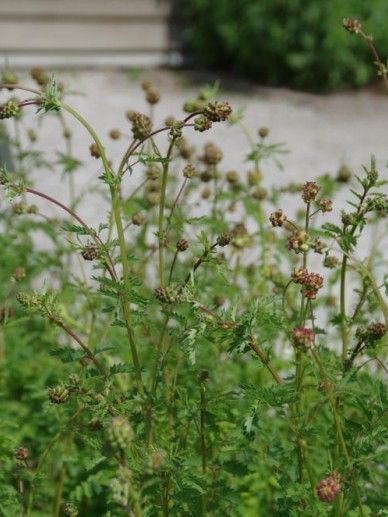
pixel 86 32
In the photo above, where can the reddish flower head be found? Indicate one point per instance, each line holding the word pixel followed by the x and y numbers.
pixel 303 337
pixel 328 488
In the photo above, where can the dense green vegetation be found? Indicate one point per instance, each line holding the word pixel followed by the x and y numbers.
pixel 295 43
pixel 204 346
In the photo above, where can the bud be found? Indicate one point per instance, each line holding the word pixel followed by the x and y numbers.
pixel 218 301
pixel 120 433
pixel 303 338
pixel 326 205
pixel 331 262
pixel 70 510
pixel 153 198
pixel 176 129
pixel 298 241
pixel 224 239
pixel 21 453
pixel 217 111
pixel 203 376
pixel 18 274
pixel 94 151
pixel 202 124
pixel 152 96
pixel 310 191
pixel 169 121
pixel 263 132
pixel 277 218
pixel 90 252
pixel 259 193
pixel 32 136
pixel 58 395
pixel 352 25
pixel 232 178
pixel 115 134
pixel 184 149
pixel 157 459
pixel 311 284
pixel 171 295
pixel 371 333
pixel 206 176
pixel 212 154
pixel 9 110
pixel 206 193
pixel 153 171
pixel 141 126
pixel 146 84
pixel 39 76
pixel 182 245
pixel 9 77
pixel 254 177
pixel 328 488
pixel 298 275
pixel 189 171
pixel 138 219
pixel 319 246
pixel 344 174
pixel 130 115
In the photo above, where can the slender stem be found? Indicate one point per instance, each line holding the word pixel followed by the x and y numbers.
pixel 201 259
pixel 85 348
pixel 338 425
pixel 109 265
pixel 175 205
pixel 126 280
pixel 162 204
pixel 115 199
pixel 264 359
pixel 172 266
pixel 379 63
pixel 202 424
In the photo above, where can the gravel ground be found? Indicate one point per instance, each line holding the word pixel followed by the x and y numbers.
pixel 321 132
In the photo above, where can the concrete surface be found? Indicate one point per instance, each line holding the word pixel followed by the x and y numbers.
pixel 321 132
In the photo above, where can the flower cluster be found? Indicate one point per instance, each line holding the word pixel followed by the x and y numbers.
pixel 58 395
pixel 212 112
pixel 310 282
pixel 328 488
pixel 298 241
pixel 371 333
pixel 217 111
pixel 120 433
pixel 8 110
pixel 171 295
pixel 352 25
pixel 303 338
pixel 278 218
pixel 310 191
pixel 141 126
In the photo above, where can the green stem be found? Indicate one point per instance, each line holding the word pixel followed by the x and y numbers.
pixel 344 330
pixel 338 426
pixel 162 204
pixel 120 234
pixel 127 285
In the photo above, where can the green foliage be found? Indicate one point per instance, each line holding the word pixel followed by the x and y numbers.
pixel 287 42
pixel 178 356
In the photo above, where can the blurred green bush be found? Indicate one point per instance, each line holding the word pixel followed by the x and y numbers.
pixel 298 43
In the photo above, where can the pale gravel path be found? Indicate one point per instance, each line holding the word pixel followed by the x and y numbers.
pixel 321 131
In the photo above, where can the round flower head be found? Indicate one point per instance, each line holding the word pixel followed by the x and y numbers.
pixel 328 488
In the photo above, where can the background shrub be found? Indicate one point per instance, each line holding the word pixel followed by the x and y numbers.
pixel 297 43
